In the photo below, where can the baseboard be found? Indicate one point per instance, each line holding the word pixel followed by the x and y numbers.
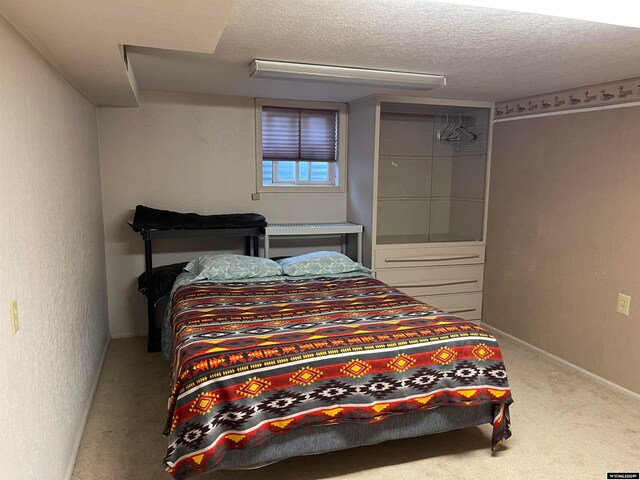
pixel 85 415
pixel 571 366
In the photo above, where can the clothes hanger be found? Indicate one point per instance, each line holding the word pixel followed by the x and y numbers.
pixel 458 135
pixel 462 133
pixel 446 128
pixel 470 133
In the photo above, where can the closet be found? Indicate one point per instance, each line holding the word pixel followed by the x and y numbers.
pixel 418 182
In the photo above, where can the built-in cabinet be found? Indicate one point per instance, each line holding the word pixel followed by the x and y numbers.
pixel 418 182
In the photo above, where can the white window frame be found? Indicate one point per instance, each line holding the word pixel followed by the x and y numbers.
pixel 338 174
pixel 330 182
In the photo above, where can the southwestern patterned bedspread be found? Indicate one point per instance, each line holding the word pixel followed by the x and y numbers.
pixel 253 360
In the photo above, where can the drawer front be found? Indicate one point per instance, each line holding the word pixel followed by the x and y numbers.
pixel 434 280
pixel 402 257
pixel 463 305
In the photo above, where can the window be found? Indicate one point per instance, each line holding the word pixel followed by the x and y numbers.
pixel 300 145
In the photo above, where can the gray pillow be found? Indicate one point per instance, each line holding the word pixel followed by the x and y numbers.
pixel 232 267
pixel 320 263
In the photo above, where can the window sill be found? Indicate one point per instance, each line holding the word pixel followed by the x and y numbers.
pixel 300 189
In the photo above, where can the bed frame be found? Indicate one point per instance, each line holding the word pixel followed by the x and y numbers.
pixel 251 236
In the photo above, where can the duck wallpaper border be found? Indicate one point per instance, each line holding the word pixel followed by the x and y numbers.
pixel 622 91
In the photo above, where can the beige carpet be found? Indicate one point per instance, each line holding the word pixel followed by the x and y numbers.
pixel 565 426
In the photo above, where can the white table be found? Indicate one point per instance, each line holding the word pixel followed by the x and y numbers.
pixel 301 229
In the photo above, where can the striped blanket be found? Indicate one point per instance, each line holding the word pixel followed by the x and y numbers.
pixel 254 360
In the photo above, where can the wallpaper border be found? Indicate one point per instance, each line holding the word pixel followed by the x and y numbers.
pixel 611 93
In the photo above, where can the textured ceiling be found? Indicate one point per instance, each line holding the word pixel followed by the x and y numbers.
pixel 84 38
pixel 485 54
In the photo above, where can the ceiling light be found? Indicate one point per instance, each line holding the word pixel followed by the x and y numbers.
pixel 614 12
pixel 346 75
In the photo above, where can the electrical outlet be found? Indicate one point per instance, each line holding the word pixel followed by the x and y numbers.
pixel 624 301
pixel 255 196
pixel 15 322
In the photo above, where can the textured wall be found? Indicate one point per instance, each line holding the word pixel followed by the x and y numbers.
pixel 51 261
pixel 563 236
pixel 183 152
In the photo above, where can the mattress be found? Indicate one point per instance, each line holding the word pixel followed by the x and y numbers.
pixel 265 370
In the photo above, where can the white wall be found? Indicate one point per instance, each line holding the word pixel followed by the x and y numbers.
pixel 52 261
pixel 189 153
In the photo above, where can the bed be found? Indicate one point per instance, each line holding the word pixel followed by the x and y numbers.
pixel 270 367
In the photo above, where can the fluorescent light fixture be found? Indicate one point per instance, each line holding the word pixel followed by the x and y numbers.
pixel 345 75
pixel 614 12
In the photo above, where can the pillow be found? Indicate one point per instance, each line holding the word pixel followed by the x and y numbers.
pixel 232 267
pixel 320 263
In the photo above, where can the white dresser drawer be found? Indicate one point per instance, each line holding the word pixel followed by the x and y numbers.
pixel 395 256
pixel 463 305
pixel 434 280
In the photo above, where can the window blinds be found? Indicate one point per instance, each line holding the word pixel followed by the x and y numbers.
pixel 299 134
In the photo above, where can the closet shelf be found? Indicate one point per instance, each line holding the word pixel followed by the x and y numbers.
pixel 453 156
pixel 431 198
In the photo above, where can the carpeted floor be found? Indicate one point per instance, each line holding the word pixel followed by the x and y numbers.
pixel 565 426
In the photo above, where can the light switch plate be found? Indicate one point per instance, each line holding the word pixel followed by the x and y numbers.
pixel 15 322
pixel 624 301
